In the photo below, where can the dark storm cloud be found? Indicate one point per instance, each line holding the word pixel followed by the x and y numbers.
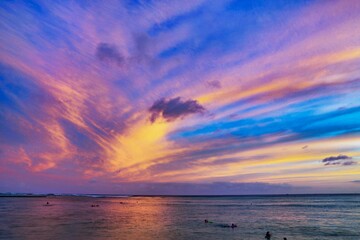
pixel 171 109
pixel 109 53
pixel 341 159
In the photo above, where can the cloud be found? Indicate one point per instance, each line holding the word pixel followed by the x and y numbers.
pixel 356 181
pixel 109 53
pixel 332 158
pixel 339 160
pixel 214 84
pixel 349 163
pixel 268 99
pixel 171 109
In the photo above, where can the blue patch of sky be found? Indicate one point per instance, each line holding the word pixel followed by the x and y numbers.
pixel 49 27
pixel 176 21
pixel 181 47
pixel 211 128
pixel 345 120
pixel 296 122
pixel 135 4
pixel 310 105
pixel 15 86
pixel 223 31
pixel 18 97
pixel 264 5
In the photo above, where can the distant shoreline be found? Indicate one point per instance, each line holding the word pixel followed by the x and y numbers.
pixel 30 195
pixel 21 196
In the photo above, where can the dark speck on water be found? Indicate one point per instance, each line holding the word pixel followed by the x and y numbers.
pixel 297 217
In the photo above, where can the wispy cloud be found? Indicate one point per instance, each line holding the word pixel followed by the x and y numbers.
pixel 78 84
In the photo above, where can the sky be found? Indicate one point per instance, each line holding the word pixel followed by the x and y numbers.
pixel 180 97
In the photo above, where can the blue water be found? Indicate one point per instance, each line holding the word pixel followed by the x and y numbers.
pixel 68 217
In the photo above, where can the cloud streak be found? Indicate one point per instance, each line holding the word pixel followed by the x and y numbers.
pixel 77 95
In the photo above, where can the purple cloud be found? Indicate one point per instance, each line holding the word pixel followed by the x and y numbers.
pixel 214 84
pixel 336 158
pixel 109 53
pixel 171 109
pixel 349 163
pixel 341 159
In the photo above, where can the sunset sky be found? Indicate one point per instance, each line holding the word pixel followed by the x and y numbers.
pixel 180 97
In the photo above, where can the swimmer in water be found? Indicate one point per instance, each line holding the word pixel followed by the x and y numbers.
pixel 268 236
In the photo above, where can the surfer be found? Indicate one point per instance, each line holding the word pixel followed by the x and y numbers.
pixel 268 236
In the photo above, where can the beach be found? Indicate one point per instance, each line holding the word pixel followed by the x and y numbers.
pixel 169 217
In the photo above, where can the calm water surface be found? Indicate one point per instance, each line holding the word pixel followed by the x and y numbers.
pixel 294 217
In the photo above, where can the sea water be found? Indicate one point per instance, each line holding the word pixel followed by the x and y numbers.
pixel 73 217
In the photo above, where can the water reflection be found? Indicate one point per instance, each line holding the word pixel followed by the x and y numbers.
pixel 179 218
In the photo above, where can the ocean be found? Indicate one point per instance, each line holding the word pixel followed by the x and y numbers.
pixel 140 217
